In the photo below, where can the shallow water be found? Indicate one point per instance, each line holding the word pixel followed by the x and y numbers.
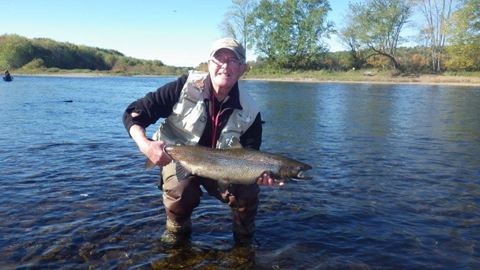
pixel 395 186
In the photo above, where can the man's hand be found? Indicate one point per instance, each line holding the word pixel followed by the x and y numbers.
pixel 152 149
pixel 265 180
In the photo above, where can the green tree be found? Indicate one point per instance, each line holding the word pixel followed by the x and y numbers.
pixel 56 54
pixel 288 33
pixel 15 51
pixel 465 23
pixel 237 22
pixel 463 57
pixel 378 25
pixel 36 63
pixel 437 13
pixel 464 37
pixel 349 39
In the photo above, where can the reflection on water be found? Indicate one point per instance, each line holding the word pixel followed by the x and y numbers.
pixel 396 180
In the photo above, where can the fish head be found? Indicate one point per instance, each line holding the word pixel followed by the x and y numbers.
pixel 295 170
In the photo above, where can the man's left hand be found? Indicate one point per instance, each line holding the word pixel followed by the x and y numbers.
pixel 265 180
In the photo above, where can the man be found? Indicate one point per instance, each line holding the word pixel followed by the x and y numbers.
pixel 205 109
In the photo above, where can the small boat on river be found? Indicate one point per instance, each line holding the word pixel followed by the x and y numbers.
pixel 7 77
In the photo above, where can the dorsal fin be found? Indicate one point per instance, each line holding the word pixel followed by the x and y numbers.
pixel 234 143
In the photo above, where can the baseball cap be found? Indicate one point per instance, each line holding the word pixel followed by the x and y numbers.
pixel 231 44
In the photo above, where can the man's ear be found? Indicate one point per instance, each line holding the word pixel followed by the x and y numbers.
pixel 244 68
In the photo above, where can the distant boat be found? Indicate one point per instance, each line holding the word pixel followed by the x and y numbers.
pixel 8 79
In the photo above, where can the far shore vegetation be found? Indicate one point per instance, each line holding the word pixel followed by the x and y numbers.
pixel 287 36
pixel 42 56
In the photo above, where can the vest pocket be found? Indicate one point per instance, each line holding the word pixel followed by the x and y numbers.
pixel 195 120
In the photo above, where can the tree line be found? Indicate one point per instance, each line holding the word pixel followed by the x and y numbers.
pixel 289 34
pixel 18 52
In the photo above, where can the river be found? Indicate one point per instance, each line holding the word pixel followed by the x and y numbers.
pixel 395 180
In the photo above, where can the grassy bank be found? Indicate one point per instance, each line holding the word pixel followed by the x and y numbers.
pixel 370 76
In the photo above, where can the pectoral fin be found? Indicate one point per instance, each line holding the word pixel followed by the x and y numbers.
pixel 182 173
pixel 223 186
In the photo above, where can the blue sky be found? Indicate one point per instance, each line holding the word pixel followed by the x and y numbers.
pixel 177 32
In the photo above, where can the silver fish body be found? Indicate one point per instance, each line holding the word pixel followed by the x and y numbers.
pixel 233 165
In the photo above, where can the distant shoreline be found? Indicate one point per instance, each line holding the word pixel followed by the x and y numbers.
pixel 436 80
pixel 381 79
pixel 73 75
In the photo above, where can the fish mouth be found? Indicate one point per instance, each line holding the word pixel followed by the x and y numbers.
pixel 301 176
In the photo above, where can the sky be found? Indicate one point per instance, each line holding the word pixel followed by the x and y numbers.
pixel 177 32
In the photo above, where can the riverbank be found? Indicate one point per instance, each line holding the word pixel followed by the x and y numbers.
pixel 472 79
pixel 318 77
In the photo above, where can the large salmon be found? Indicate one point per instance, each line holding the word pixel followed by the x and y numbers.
pixel 234 165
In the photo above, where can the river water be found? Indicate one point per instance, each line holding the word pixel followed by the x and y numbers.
pixel 395 180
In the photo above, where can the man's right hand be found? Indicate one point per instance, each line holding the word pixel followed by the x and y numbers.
pixel 153 150
pixel 156 154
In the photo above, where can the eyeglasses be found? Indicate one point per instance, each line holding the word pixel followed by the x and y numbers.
pixel 233 63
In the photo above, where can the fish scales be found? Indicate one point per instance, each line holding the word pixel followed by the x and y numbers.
pixel 236 166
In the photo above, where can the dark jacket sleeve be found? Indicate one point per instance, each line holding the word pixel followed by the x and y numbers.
pixel 154 105
pixel 252 138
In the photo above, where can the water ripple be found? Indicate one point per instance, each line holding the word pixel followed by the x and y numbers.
pixel 395 181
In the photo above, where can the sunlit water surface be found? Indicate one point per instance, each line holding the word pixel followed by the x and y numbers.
pixel 396 180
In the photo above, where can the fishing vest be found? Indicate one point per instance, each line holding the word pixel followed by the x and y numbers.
pixel 189 117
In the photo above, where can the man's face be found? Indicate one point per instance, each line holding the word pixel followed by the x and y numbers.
pixel 225 70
